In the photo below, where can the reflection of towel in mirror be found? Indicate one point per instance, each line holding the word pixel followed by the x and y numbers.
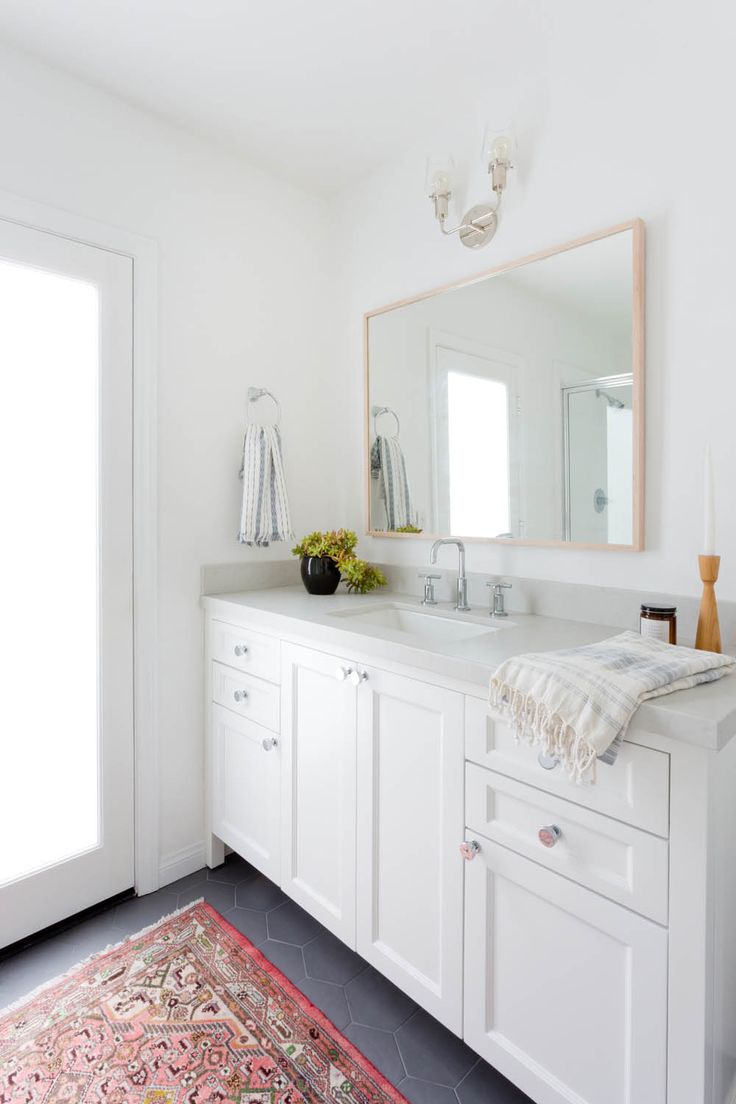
pixel 265 512
pixel 388 465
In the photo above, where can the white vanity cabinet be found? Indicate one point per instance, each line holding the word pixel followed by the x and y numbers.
pixel 319 786
pixel 410 824
pixel 372 812
pixel 246 789
pixel 243 792
pixel 597 970
pixel 565 992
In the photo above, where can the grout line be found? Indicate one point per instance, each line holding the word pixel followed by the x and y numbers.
pixel 467 1075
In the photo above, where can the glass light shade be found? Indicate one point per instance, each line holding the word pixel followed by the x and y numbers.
pixel 439 176
pixel 498 145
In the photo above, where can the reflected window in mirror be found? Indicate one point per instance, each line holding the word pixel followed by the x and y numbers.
pixel 477 489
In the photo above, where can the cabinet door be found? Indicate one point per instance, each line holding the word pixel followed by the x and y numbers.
pixel 246 793
pixel 565 992
pixel 410 826
pixel 318 794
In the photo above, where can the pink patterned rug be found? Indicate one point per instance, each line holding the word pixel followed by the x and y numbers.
pixel 186 1012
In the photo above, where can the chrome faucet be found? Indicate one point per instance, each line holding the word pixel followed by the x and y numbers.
pixel 462 582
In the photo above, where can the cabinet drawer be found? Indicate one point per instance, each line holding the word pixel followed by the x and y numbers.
pixel 615 859
pixel 250 697
pixel 635 789
pixel 248 651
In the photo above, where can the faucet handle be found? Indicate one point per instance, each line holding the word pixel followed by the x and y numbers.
pixel 429 581
pixel 497 609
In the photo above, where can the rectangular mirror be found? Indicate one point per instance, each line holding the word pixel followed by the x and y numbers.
pixel 510 406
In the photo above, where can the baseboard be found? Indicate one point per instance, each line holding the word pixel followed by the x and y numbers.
pixel 177 864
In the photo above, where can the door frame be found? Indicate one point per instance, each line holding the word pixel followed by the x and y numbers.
pixel 143 253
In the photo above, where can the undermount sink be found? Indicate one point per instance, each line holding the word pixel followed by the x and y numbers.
pixel 431 625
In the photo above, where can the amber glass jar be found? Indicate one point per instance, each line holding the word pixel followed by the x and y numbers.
pixel 659 622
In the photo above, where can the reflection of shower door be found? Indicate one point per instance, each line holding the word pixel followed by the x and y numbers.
pixel 474 451
pixel 598 461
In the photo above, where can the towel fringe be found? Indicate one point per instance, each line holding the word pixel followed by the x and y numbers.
pixel 533 722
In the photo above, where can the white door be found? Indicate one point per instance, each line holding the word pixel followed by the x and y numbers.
pixel 565 992
pixel 410 827
pixel 66 643
pixel 318 778
pixel 246 790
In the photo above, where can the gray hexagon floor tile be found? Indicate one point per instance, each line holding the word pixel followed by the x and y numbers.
pixel 259 893
pixel 329 959
pixel 485 1085
pixel 95 934
pixel 379 1047
pixel 289 923
pixel 140 912
pixel 251 923
pixel 23 972
pixel 183 884
pixel 288 958
pixel 234 870
pixel 424 1092
pixel 432 1053
pixel 221 895
pixel 375 1002
pixel 330 999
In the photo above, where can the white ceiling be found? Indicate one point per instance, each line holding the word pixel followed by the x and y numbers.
pixel 320 92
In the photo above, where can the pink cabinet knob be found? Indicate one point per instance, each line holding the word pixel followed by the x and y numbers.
pixel 549 835
pixel 469 850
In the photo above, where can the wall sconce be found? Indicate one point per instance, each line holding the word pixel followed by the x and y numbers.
pixel 480 222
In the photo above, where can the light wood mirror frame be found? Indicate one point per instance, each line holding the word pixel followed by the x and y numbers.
pixel 636 226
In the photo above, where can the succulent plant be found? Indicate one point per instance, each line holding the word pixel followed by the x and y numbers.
pixel 339 546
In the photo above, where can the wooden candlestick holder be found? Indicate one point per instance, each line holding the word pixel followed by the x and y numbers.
pixel 708 635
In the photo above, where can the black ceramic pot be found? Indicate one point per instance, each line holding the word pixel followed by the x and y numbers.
pixel 320 574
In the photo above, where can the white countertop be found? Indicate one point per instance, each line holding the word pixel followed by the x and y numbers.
pixel 704 715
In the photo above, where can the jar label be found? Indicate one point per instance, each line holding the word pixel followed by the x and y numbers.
pixel 660 630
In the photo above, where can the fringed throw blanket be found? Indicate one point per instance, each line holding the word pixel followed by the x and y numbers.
pixel 576 704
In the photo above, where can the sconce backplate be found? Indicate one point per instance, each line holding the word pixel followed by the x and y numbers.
pixel 485 221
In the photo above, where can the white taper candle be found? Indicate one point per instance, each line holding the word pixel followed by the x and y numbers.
pixel 709 536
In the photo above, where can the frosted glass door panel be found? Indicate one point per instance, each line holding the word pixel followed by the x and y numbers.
pixel 66 642
pixel 49 350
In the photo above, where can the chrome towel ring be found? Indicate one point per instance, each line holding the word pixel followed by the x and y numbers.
pixel 377 411
pixel 256 393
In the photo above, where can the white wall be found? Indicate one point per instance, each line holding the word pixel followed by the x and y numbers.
pixel 628 118
pixel 242 301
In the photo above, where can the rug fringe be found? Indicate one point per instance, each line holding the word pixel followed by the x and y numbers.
pixel 15 1006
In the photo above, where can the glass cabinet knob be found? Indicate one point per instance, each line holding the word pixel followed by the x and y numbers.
pixel 549 835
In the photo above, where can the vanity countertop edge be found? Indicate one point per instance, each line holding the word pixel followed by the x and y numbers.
pixel 704 716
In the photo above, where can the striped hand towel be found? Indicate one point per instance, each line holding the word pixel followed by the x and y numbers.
pixel 576 704
pixel 265 513
pixel 388 465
